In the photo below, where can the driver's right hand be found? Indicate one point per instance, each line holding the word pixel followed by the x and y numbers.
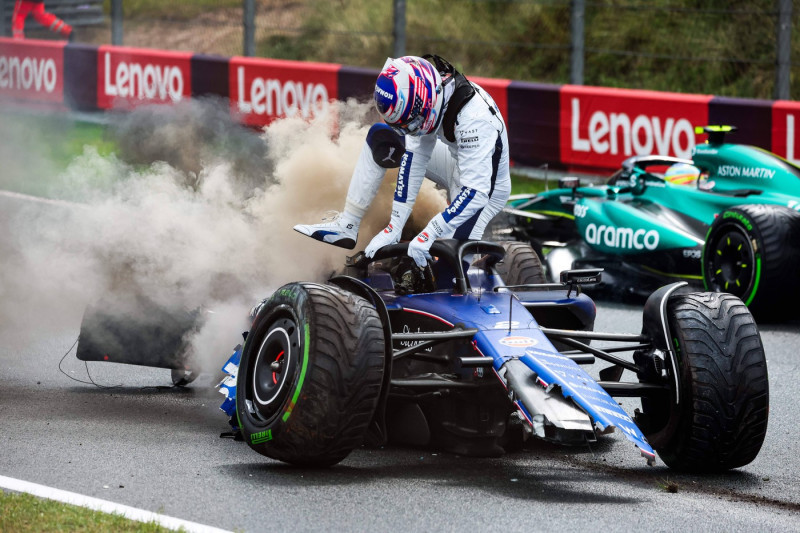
pixel 389 235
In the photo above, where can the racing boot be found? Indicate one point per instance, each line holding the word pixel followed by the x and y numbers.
pixel 338 229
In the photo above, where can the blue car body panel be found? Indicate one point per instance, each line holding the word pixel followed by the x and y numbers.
pixel 525 341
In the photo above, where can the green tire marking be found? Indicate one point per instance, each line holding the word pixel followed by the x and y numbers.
pixel 758 280
pixel 741 218
pixel 307 341
pixel 261 437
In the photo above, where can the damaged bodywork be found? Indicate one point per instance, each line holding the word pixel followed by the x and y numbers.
pixel 477 353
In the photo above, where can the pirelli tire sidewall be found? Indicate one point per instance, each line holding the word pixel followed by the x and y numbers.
pixel 765 239
pixel 286 303
pixel 311 404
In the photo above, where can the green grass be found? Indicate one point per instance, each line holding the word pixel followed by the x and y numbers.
pixel 36 149
pixel 180 10
pixel 23 513
pixel 717 47
pixel 524 185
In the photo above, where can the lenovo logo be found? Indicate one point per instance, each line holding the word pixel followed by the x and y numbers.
pixel 150 82
pixel 274 97
pixel 28 74
pixel 619 134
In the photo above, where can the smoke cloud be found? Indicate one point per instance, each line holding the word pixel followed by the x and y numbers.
pixel 192 212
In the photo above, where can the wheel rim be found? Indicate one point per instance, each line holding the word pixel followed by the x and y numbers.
pixel 732 263
pixel 273 372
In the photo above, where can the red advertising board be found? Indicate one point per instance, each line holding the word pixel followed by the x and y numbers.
pixel 128 77
pixel 786 130
pixel 32 70
pixel 262 90
pixel 497 89
pixel 600 127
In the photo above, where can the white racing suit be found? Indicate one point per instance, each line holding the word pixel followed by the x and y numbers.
pixel 474 170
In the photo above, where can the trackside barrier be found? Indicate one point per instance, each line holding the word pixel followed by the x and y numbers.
pixel 563 126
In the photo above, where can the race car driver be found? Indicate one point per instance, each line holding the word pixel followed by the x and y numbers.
pixel 450 131
pixel 36 8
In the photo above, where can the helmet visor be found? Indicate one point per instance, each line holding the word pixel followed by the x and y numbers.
pixel 411 127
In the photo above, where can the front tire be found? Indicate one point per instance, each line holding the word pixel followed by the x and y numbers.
pixel 752 252
pixel 721 420
pixel 310 375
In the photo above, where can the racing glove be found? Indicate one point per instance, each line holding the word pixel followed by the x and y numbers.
pixel 419 247
pixel 391 233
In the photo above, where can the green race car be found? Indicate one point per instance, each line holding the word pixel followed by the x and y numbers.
pixel 729 219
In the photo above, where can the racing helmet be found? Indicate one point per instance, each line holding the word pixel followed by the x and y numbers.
pixel 682 174
pixel 408 94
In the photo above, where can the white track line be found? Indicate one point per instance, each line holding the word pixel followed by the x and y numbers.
pixel 39 199
pixel 105 506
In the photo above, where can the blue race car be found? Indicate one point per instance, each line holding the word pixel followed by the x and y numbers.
pixel 473 355
pixel 476 353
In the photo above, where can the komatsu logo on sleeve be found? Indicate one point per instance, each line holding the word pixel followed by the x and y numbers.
pixel 626 238
pixel 459 203
pixel 401 189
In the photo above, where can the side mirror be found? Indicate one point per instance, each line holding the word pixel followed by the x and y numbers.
pixel 584 276
pixel 573 279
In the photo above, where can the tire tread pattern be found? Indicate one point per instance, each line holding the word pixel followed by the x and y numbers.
pixel 343 380
pixel 521 265
pixel 725 385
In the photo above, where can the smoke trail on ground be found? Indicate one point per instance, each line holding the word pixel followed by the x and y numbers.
pixel 199 215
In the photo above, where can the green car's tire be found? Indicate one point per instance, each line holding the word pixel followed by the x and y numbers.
pixel 310 375
pixel 721 420
pixel 752 251
pixel 521 265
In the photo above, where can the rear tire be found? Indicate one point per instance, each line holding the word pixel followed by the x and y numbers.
pixel 721 420
pixel 310 375
pixel 752 252
pixel 521 265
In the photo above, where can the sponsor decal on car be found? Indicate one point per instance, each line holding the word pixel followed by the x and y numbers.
pixel 504 324
pixel 625 238
pixel 518 342
pixel 745 172
pixel 580 210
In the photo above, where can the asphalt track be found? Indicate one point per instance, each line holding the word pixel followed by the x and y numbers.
pixel 153 447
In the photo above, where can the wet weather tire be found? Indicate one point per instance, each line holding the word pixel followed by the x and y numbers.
pixel 721 420
pixel 310 374
pixel 752 251
pixel 521 265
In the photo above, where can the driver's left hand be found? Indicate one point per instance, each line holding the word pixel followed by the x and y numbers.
pixel 418 248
